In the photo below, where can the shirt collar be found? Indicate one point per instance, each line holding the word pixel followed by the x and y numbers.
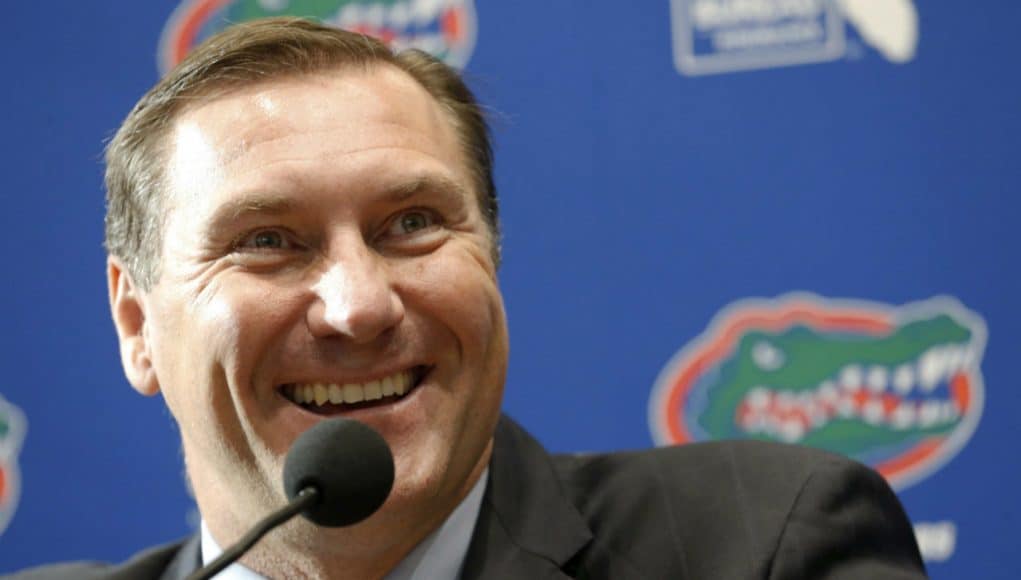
pixel 439 556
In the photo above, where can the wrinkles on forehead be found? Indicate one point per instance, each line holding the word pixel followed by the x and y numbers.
pixel 300 145
pixel 263 115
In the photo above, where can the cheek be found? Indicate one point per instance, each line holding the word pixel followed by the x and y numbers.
pixel 245 323
pixel 190 340
pixel 212 339
pixel 218 314
pixel 220 319
pixel 460 296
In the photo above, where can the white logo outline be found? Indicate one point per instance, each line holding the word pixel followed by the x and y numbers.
pixel 888 26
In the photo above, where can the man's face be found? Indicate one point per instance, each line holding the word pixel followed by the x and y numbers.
pixel 323 230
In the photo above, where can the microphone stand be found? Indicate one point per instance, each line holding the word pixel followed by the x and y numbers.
pixel 305 498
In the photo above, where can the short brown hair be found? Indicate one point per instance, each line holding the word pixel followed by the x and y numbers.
pixel 243 55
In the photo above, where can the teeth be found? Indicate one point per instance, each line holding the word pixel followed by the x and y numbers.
pixel 872 412
pixel 846 408
pixel 851 378
pixel 785 399
pixel 929 413
pixel 818 416
pixel 374 385
pixel 755 424
pixel 791 431
pixel 758 398
pixel 321 393
pixel 876 379
pixel 857 392
pixel 791 415
pixel 904 379
pixel 930 369
pixel 762 425
pixel 353 394
pixel 903 417
pixel 373 392
pixel 828 393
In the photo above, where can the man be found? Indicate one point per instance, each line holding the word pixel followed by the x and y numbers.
pixel 302 224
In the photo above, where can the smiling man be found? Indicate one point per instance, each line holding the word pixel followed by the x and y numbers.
pixel 325 248
pixel 302 224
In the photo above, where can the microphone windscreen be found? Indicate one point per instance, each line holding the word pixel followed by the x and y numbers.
pixel 348 462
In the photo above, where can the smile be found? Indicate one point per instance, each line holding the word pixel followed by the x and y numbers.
pixel 323 397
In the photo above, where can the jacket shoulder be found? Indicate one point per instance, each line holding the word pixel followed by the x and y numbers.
pixel 82 570
pixel 740 509
pixel 150 563
pixel 697 471
pixel 755 452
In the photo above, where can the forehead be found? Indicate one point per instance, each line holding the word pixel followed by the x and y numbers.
pixel 328 115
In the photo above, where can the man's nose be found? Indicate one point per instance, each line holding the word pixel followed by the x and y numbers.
pixel 356 299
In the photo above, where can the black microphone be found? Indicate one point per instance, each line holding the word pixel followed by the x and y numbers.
pixel 336 474
pixel 350 465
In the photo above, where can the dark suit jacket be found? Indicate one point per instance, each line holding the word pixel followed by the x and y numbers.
pixel 701 511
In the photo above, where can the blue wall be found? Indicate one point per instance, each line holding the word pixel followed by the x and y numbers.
pixel 639 202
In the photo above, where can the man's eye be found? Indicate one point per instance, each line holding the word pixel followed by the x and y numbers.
pixel 264 240
pixel 411 222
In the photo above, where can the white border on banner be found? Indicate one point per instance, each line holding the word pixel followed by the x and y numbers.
pixel 689 64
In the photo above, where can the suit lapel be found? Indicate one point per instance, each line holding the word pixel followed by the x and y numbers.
pixel 187 560
pixel 527 527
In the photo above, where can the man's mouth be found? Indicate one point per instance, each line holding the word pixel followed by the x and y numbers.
pixel 329 398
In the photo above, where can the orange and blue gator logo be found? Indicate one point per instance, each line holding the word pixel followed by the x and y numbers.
pixel 12 433
pixel 444 28
pixel 897 388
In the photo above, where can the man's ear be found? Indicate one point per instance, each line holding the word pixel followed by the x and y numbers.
pixel 129 317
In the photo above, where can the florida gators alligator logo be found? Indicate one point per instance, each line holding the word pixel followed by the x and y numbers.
pixel 443 28
pixel 12 433
pixel 897 388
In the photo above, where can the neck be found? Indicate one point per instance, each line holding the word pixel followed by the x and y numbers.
pixel 300 549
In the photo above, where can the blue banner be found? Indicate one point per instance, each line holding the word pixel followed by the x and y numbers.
pixel 793 220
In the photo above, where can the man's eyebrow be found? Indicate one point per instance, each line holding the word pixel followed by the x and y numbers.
pixel 274 204
pixel 235 209
pixel 425 183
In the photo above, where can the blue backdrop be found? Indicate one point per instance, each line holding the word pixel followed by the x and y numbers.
pixel 659 164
